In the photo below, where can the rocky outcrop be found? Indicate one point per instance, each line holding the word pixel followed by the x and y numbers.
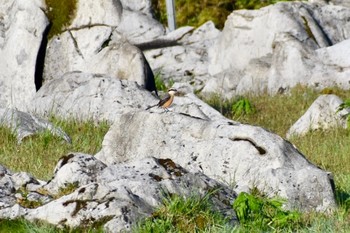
pixel 99 41
pixel 244 156
pixel 101 97
pixel 188 60
pixel 84 191
pixel 324 113
pixel 24 125
pixel 22 27
pixel 279 46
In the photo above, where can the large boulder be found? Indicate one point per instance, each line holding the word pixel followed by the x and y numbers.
pixel 102 97
pixel 324 113
pixel 244 156
pixel 276 47
pixel 99 40
pixel 22 27
pixel 84 191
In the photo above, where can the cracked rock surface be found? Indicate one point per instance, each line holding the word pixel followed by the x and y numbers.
pixel 238 154
pixel 115 195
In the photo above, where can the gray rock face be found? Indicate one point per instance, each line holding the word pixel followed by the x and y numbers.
pixel 188 61
pixel 116 195
pixel 22 24
pixel 279 46
pixel 243 155
pixel 322 114
pixel 107 53
pixel 25 125
pixel 89 96
pixel 101 97
pixel 98 41
pixel 92 13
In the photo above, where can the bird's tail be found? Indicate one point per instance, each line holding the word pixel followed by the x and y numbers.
pixel 152 106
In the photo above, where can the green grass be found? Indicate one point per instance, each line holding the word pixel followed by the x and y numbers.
pixel 179 214
pixel 39 154
pixel 197 12
pixel 23 226
pixel 329 149
pixel 60 13
pixel 162 85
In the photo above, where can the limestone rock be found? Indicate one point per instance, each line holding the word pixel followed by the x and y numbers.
pixel 25 125
pixel 144 6
pixel 98 50
pixel 101 97
pixel 22 25
pixel 187 61
pixel 121 194
pixel 243 155
pixel 322 114
pixel 278 46
pixel 74 169
pixel 92 13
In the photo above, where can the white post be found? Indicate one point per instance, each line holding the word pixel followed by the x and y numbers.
pixel 170 9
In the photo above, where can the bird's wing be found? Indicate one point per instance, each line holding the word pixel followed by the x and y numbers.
pixel 164 100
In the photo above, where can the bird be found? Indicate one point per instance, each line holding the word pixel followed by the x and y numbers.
pixel 166 101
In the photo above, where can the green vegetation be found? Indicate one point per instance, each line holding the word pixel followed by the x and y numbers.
pixel 161 85
pixel 60 14
pixel 39 154
pixel 242 106
pixel 264 214
pixel 179 214
pixel 197 12
pixel 23 226
pixel 329 149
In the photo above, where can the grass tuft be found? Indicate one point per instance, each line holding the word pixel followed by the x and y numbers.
pixel 38 155
pixel 60 14
pixel 180 214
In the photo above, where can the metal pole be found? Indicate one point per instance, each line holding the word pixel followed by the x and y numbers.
pixel 170 9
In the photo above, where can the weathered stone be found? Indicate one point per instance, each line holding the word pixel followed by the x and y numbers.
pixel 187 61
pixel 90 13
pixel 98 50
pixel 138 27
pixel 22 25
pixel 100 97
pixel 243 155
pixel 74 170
pixel 25 125
pixel 276 47
pixel 119 195
pixel 322 114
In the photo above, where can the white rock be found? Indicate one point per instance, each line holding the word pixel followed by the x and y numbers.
pixel 22 25
pixel 121 194
pixel 101 97
pixel 276 47
pixel 188 61
pixel 25 125
pixel 95 50
pixel 243 155
pixel 138 27
pixel 92 13
pixel 322 114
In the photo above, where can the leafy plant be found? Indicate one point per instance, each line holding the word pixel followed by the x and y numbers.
pixel 264 214
pixel 160 83
pixel 242 107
